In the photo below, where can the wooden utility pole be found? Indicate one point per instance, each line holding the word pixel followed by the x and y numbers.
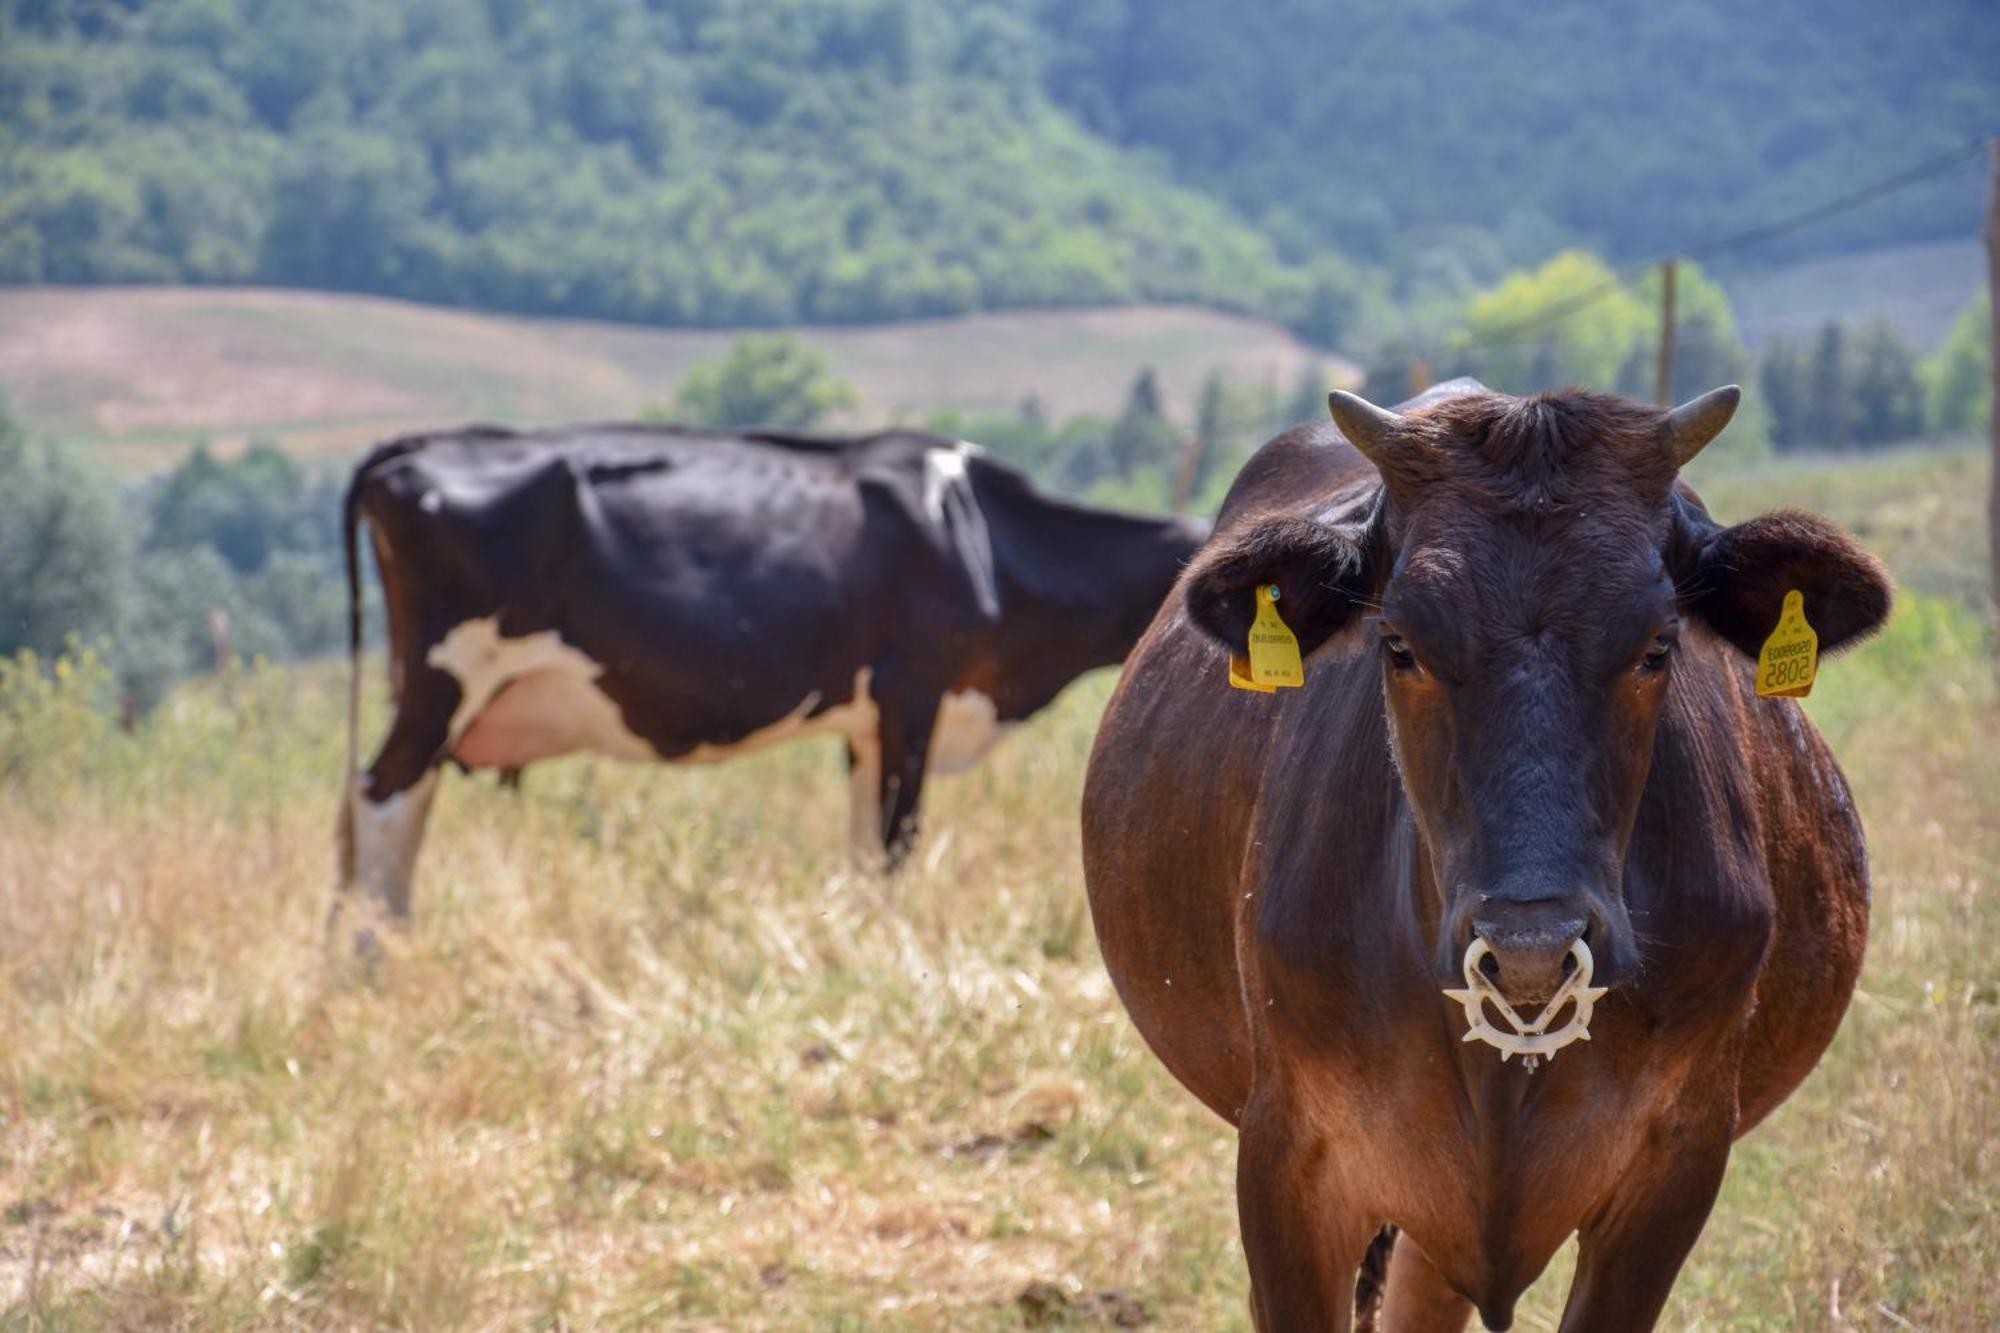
pixel 1663 373
pixel 1191 455
pixel 1993 415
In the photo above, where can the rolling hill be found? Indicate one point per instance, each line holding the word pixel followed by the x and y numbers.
pixel 137 374
pixel 762 162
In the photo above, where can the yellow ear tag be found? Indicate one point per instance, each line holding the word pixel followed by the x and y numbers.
pixel 1239 676
pixel 1274 652
pixel 1790 657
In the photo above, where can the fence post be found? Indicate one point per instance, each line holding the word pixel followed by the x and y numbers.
pixel 1192 450
pixel 1993 416
pixel 1663 374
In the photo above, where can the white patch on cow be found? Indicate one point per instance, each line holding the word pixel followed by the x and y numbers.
pixel 855 719
pixel 527 698
pixel 432 502
pixel 943 468
pixel 387 834
pixel 968 724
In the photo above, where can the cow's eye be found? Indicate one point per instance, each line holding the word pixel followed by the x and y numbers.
pixel 1657 654
pixel 1397 649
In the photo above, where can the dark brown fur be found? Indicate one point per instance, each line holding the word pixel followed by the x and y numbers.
pixel 1282 884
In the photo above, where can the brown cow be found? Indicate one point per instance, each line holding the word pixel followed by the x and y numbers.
pixel 1527 759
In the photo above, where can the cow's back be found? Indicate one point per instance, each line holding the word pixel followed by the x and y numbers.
pixel 718 585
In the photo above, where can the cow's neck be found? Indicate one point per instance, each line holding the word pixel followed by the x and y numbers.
pixel 1078 597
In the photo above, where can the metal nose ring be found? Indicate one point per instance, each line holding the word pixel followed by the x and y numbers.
pixel 1532 1041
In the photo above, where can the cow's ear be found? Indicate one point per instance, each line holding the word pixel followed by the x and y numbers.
pixel 1735 579
pixel 1322 571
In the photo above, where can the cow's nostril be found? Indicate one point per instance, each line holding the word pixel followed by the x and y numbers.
pixel 1490 966
pixel 1569 962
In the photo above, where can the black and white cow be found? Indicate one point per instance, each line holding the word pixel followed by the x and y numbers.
pixel 657 593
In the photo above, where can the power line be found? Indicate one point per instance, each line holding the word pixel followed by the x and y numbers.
pixel 1834 207
pixel 1557 311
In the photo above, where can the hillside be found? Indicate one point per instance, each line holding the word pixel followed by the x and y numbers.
pixel 719 162
pixel 1630 127
pixel 139 373
pixel 1920 288
pixel 684 164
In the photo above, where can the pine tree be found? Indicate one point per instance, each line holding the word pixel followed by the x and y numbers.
pixel 1887 400
pixel 1827 419
pixel 1142 435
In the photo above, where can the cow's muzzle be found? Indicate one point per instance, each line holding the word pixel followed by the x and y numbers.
pixel 1532 1040
pixel 1527 948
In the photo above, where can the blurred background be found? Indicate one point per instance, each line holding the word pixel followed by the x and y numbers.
pixel 652 1058
pixel 243 239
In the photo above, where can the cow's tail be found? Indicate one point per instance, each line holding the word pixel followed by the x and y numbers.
pixel 351 537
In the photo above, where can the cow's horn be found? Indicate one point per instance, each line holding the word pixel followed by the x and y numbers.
pixel 1697 421
pixel 1369 428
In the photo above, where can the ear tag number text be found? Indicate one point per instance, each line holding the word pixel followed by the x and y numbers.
pixel 1790 657
pixel 1273 658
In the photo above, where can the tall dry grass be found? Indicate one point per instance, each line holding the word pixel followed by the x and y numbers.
pixel 652 1057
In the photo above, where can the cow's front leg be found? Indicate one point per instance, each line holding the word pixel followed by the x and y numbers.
pixel 383 813
pixel 1629 1255
pixel 902 746
pixel 1303 1240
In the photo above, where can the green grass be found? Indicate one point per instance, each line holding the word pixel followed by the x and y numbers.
pixel 1921 508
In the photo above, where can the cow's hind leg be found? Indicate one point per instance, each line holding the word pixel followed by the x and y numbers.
pixel 384 811
pixel 903 742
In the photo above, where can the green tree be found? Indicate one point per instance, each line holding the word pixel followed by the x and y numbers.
pixel 1142 437
pixel 1828 420
pixel 248 508
pixel 63 548
pixel 1589 344
pixel 1782 375
pixel 1957 377
pixel 773 380
pixel 1211 430
pixel 1308 400
pixel 1887 398
pixel 1338 302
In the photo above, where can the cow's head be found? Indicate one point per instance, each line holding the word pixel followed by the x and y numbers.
pixel 1525 577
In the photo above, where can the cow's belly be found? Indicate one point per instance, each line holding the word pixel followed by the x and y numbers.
pixel 535 697
pixel 854 720
pixel 544 714
pixel 526 698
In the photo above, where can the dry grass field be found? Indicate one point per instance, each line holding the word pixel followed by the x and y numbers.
pixel 139 373
pixel 653 1058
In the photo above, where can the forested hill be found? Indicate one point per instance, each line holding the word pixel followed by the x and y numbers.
pixel 683 163
pixel 1629 126
pixel 767 161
